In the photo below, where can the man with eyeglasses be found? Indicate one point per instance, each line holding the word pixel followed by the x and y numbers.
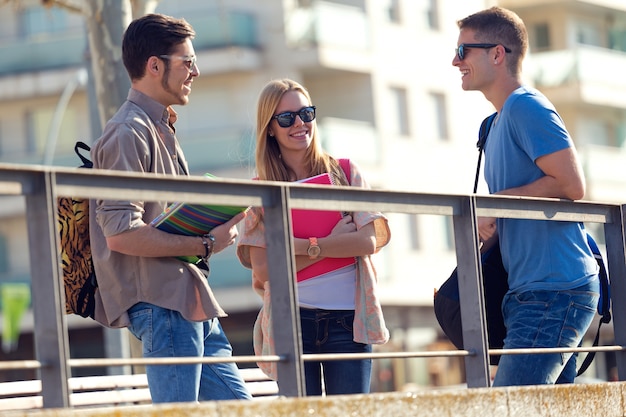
pixel 553 277
pixel 166 303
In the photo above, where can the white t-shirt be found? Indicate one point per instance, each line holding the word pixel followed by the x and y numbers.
pixel 334 290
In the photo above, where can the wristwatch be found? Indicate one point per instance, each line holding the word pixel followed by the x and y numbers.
pixel 314 249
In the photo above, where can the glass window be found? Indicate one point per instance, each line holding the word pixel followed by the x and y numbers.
pixel 4 255
pixel 393 11
pixel 39 20
pixel 617 39
pixel 414 231
pixel 440 120
pixel 399 106
pixel 447 233
pixel 541 38
pixel 588 34
pixel 432 14
pixel 621 135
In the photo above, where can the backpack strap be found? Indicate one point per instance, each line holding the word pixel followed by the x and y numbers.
pixel 604 304
pixel 483 132
pixel 86 161
pixel 344 163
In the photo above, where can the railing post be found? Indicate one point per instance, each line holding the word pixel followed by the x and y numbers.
pixel 616 256
pixel 285 313
pixel 471 290
pixel 50 329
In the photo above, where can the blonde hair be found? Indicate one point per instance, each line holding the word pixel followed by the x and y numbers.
pixel 269 164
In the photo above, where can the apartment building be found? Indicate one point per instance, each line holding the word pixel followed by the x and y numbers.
pixel 380 74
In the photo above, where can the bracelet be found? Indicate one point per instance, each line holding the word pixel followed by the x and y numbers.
pixel 208 241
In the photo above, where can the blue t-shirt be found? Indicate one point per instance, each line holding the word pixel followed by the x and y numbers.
pixel 538 254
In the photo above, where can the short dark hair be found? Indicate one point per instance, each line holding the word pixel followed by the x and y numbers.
pixel 502 26
pixel 152 35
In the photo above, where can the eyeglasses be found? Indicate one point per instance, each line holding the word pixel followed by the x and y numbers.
pixel 460 51
pixel 288 118
pixel 189 62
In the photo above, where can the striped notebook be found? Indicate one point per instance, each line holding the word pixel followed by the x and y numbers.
pixel 193 220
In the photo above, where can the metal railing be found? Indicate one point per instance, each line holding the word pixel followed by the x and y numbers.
pixel 42 185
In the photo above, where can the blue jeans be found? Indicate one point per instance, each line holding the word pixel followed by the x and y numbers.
pixel 538 319
pixel 330 331
pixel 166 334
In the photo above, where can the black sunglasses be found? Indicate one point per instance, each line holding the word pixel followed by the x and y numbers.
pixel 460 51
pixel 288 118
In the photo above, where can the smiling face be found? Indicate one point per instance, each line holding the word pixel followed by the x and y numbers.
pixel 297 137
pixel 178 75
pixel 476 72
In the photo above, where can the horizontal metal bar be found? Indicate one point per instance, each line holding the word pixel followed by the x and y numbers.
pixel 91 183
pixel 318 197
pixel 544 209
pixel 28 364
pixel 384 355
pixel 527 351
pixel 82 363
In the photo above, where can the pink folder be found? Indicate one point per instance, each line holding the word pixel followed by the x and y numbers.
pixel 317 223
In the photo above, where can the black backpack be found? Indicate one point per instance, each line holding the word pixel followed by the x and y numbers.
pixel 446 301
pixel 79 277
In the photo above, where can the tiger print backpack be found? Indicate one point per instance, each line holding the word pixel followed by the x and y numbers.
pixel 79 277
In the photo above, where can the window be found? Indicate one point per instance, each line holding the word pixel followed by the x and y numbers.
pixel 448 232
pixel 617 39
pixel 39 20
pixel 588 34
pixel 432 14
pixel 621 135
pixel 541 38
pixel 399 106
pixel 440 119
pixel 414 231
pixel 4 255
pixel 393 11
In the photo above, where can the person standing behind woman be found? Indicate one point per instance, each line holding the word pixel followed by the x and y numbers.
pixel 339 310
pixel 553 276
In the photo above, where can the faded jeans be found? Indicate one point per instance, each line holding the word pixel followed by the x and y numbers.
pixel 330 331
pixel 165 333
pixel 537 319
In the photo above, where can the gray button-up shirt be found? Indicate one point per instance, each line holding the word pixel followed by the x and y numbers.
pixel 139 138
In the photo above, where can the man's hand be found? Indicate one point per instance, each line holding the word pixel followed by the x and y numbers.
pixel 225 234
pixel 486 228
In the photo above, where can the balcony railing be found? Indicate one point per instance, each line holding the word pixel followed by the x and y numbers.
pixel 595 72
pixel 213 30
pixel 326 24
pixel 42 185
pixel 42 54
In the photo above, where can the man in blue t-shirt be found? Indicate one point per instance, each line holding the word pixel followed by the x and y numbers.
pixel 553 276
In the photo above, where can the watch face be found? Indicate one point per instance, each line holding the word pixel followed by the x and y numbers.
pixel 314 251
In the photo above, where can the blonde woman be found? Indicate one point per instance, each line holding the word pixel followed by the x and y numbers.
pixel 339 308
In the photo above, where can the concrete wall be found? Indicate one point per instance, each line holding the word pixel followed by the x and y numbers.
pixel 606 400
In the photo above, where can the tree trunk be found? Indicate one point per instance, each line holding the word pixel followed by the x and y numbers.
pixel 106 21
